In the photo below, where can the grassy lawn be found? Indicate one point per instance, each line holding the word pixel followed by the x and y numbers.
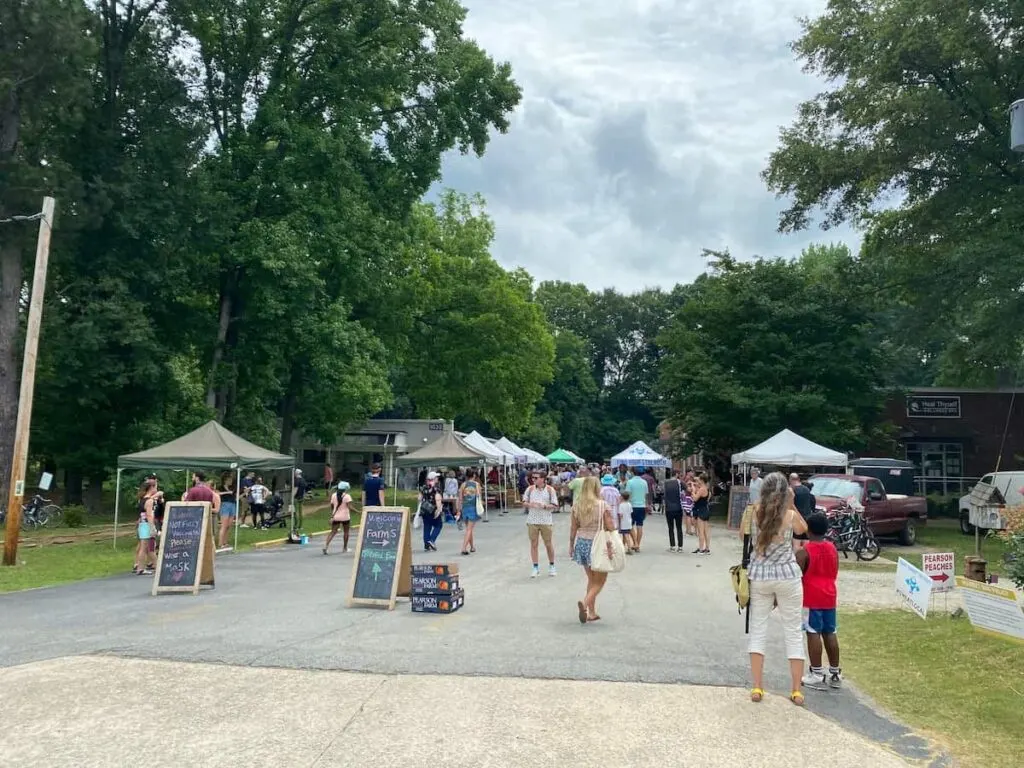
pixel 936 536
pixel 50 564
pixel 941 677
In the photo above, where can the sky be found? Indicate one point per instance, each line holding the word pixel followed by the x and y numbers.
pixel 642 131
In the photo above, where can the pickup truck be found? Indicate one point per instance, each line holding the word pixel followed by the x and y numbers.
pixel 887 514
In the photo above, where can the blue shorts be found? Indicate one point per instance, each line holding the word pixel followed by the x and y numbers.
pixel 145 532
pixel 581 551
pixel 469 514
pixel 820 621
pixel 626 531
pixel 638 516
pixel 227 509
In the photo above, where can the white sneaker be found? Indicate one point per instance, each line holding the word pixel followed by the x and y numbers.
pixel 815 680
pixel 671 549
pixel 552 571
pixel 535 572
pixel 835 678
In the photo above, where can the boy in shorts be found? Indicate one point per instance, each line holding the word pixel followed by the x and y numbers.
pixel 819 562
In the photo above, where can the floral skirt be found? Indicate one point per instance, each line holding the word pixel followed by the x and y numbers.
pixel 581 551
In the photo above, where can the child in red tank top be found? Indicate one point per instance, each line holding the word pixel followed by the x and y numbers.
pixel 819 562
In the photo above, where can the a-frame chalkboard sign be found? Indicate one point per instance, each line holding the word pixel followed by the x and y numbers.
pixel 185 560
pixel 382 569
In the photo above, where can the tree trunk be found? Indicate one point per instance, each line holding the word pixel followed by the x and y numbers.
pixel 215 389
pixel 72 487
pixel 10 302
pixel 93 497
pixel 287 421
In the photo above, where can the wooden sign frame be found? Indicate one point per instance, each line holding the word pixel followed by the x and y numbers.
pixel 401 582
pixel 205 556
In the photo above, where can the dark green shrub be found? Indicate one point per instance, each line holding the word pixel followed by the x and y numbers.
pixel 74 517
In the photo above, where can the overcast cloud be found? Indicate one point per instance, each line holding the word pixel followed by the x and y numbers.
pixel 642 131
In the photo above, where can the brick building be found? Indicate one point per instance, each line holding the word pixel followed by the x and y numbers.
pixel 953 436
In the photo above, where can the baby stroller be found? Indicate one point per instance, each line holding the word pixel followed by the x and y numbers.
pixel 273 517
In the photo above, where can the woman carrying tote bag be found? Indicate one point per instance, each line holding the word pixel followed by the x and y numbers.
pixel 589 529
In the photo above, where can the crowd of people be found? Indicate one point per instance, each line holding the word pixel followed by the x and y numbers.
pixel 791 567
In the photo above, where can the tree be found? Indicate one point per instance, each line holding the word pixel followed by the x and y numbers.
pixel 761 346
pixel 121 281
pixel 43 83
pixel 620 335
pixel 477 346
pixel 328 115
pixel 911 141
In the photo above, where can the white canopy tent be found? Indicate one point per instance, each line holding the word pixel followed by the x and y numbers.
pixel 532 457
pixel 639 454
pixel 495 456
pixel 504 444
pixel 788 449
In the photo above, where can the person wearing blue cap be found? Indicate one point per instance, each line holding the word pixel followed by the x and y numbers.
pixel 341 515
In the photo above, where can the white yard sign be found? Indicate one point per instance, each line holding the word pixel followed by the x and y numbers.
pixel 914 586
pixel 941 567
pixel 992 609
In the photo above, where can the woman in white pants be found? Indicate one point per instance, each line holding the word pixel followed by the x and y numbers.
pixel 775 579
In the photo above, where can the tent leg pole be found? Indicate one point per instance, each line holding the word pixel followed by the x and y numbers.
pixel 117 503
pixel 238 504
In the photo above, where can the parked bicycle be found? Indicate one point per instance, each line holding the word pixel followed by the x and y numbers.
pixel 37 513
pixel 850 532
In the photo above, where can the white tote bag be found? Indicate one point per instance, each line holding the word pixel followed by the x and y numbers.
pixel 599 560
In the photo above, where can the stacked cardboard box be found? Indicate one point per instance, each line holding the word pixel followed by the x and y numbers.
pixel 436 589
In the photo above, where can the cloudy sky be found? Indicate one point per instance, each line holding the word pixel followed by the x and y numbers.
pixel 643 127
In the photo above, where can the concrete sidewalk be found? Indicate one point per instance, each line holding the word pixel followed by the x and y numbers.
pixel 95 712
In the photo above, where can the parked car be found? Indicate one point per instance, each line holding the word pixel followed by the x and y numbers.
pixel 1009 485
pixel 888 514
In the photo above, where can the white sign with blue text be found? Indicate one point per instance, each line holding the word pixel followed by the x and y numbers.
pixel 914 587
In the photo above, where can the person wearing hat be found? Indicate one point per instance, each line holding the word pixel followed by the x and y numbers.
pixel 431 510
pixel 341 515
pixel 540 500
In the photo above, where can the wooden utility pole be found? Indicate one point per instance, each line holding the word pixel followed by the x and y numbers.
pixel 19 457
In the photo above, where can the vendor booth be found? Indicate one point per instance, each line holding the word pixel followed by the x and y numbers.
pixel 639 454
pixel 212 446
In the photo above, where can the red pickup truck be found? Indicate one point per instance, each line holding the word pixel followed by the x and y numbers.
pixel 887 514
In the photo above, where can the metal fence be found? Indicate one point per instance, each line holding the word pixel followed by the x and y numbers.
pixel 929 485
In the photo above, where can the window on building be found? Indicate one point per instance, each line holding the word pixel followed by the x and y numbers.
pixel 940 467
pixel 313 456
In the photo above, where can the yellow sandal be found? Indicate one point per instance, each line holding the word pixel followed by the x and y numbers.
pixel 797 697
pixel 756 694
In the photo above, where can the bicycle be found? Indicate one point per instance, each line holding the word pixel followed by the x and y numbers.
pixel 37 513
pixel 850 532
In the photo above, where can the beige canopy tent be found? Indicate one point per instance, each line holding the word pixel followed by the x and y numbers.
pixel 447 449
pixel 212 446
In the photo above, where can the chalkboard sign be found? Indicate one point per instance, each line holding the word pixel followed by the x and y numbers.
pixel 185 559
pixel 739 498
pixel 383 557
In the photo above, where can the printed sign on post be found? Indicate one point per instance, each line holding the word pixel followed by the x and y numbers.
pixel 941 567
pixel 914 586
pixel 992 609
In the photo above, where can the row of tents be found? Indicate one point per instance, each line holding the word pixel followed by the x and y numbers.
pixel 460 449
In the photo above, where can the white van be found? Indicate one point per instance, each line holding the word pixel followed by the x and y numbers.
pixel 1009 485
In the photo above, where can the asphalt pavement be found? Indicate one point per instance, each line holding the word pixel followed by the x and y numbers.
pixel 667 619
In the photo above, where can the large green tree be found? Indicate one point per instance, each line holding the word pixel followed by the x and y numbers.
pixel 477 345
pixel 765 345
pixel 619 333
pixel 327 116
pixel 44 83
pixel 910 141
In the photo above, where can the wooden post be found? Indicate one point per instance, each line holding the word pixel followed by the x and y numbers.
pixel 19 457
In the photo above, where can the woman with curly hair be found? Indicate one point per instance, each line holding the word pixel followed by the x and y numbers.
pixel 589 514
pixel 775 580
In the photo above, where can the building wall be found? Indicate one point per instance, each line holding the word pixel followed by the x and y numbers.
pixel 351 457
pixel 963 444
pixel 664 447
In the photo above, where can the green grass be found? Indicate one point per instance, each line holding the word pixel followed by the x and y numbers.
pixel 50 564
pixel 941 677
